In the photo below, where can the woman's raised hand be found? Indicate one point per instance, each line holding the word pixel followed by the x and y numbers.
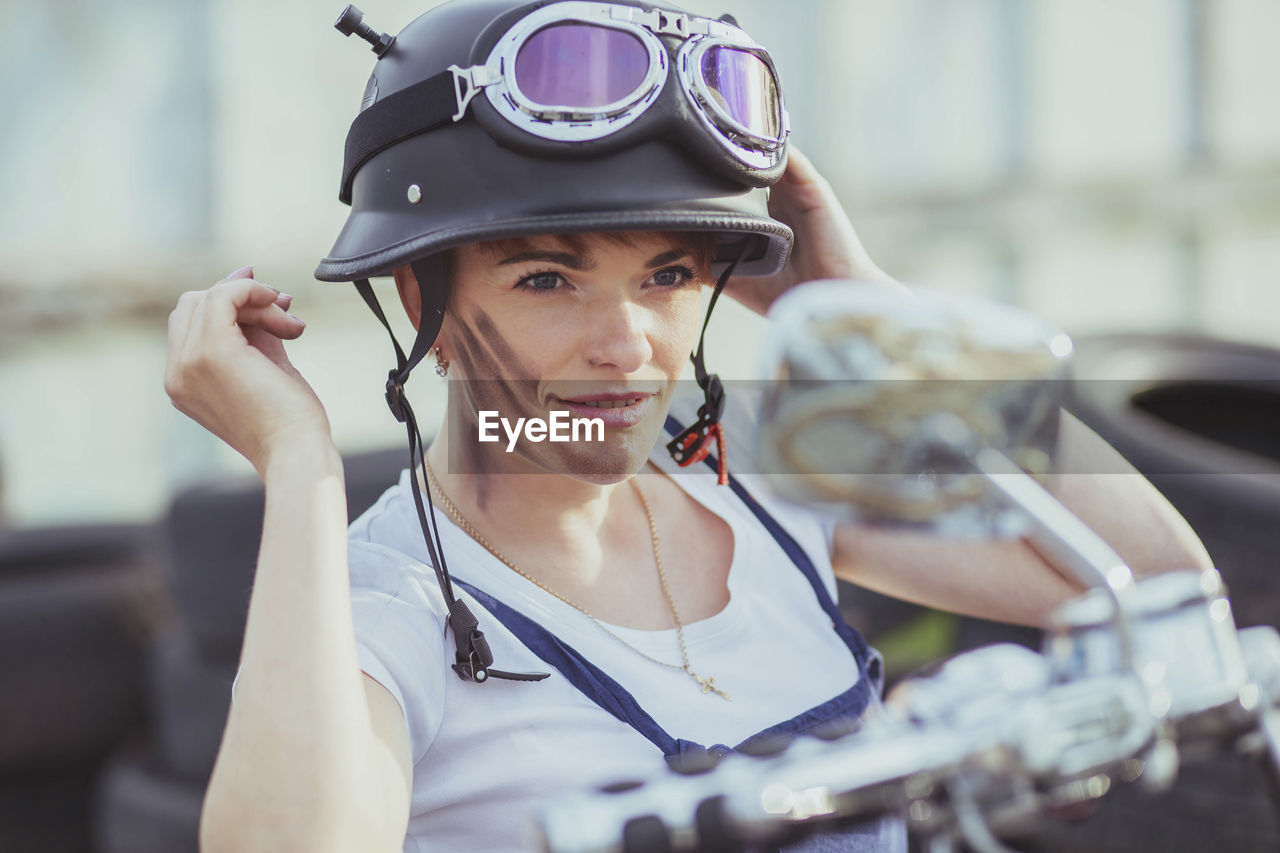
pixel 826 244
pixel 228 371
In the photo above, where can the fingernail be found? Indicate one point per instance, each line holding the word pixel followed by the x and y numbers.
pixel 301 322
pixel 243 272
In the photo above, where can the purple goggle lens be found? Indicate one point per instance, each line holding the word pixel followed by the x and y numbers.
pixel 580 65
pixel 745 88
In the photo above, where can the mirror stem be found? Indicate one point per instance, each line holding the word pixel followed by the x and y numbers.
pixel 1066 539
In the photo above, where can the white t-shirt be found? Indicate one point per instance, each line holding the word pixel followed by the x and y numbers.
pixel 487 756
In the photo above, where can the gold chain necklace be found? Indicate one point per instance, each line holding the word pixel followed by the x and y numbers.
pixel 708 684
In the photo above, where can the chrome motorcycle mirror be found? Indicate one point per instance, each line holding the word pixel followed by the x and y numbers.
pixel 925 410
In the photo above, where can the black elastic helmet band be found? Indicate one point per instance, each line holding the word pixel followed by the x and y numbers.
pixel 413 110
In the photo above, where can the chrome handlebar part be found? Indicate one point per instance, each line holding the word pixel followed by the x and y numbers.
pixel 995 739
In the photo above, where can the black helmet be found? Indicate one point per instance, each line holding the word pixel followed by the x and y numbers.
pixel 415 191
pixel 458 141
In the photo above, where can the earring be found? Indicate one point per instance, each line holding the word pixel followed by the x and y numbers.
pixel 442 364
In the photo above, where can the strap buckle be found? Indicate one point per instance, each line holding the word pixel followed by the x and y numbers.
pixel 396 401
pixel 713 408
pixel 476 78
pixel 691 446
pixel 471 667
pixel 694 443
pixel 659 21
pixel 473 664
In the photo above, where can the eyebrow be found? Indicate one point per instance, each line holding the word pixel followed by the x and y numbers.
pixel 575 262
pixel 564 259
pixel 667 257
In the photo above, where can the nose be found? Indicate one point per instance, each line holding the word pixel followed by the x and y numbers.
pixel 618 335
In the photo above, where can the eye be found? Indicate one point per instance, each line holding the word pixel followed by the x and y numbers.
pixel 541 281
pixel 672 276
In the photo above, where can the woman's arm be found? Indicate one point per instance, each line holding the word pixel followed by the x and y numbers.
pixel 302 765
pixel 1010 581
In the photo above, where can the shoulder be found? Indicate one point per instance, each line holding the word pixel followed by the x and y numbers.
pixel 385 562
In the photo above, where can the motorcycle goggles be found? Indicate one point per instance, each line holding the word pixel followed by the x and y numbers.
pixel 580 77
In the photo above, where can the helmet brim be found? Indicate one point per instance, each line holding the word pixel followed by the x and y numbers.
pixel 766 254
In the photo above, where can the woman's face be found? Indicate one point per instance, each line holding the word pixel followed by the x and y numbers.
pixel 598 326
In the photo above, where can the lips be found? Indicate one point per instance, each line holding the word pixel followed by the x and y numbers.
pixel 623 409
pixel 607 404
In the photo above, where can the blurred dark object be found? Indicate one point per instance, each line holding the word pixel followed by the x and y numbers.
pixel 47 810
pixel 212 536
pixel 1216 805
pixel 140 807
pixel 188 700
pixel 1203 424
pixel 77 606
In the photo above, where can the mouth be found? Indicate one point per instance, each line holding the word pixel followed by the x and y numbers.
pixel 616 410
pixel 606 402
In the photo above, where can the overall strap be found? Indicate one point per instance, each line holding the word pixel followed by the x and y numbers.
pixel 590 680
pixel 577 670
pixel 797 555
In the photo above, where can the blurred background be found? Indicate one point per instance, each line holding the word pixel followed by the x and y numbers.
pixel 1113 167
pixel 1107 165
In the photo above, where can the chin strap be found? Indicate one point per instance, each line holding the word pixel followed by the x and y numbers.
pixel 473 657
pixel 694 443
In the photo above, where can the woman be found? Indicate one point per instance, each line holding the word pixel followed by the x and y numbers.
pixel 567 622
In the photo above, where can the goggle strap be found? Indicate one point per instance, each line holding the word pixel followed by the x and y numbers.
pixel 472 654
pixel 413 110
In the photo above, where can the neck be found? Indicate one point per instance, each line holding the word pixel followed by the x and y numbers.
pixel 549 524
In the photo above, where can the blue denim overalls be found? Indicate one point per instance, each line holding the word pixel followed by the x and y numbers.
pixel 883 836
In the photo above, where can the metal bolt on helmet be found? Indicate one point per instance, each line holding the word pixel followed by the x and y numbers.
pixel 490 119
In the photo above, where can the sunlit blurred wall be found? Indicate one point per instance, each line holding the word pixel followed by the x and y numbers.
pixel 1108 165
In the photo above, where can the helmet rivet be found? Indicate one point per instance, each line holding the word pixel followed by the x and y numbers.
pixel 415 193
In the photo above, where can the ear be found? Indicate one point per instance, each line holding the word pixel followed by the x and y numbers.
pixel 410 296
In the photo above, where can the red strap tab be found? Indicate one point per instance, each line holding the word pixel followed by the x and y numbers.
pixel 721 453
pixel 699 445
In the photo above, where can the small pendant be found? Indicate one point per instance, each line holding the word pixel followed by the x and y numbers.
pixel 709 686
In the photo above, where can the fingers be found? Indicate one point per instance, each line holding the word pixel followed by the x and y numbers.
pixel 228 297
pixel 179 322
pixel 803 175
pixel 799 163
pixel 179 328
pixel 235 310
pixel 243 272
pixel 268 344
pixel 273 318
pixel 238 300
pixel 801 160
